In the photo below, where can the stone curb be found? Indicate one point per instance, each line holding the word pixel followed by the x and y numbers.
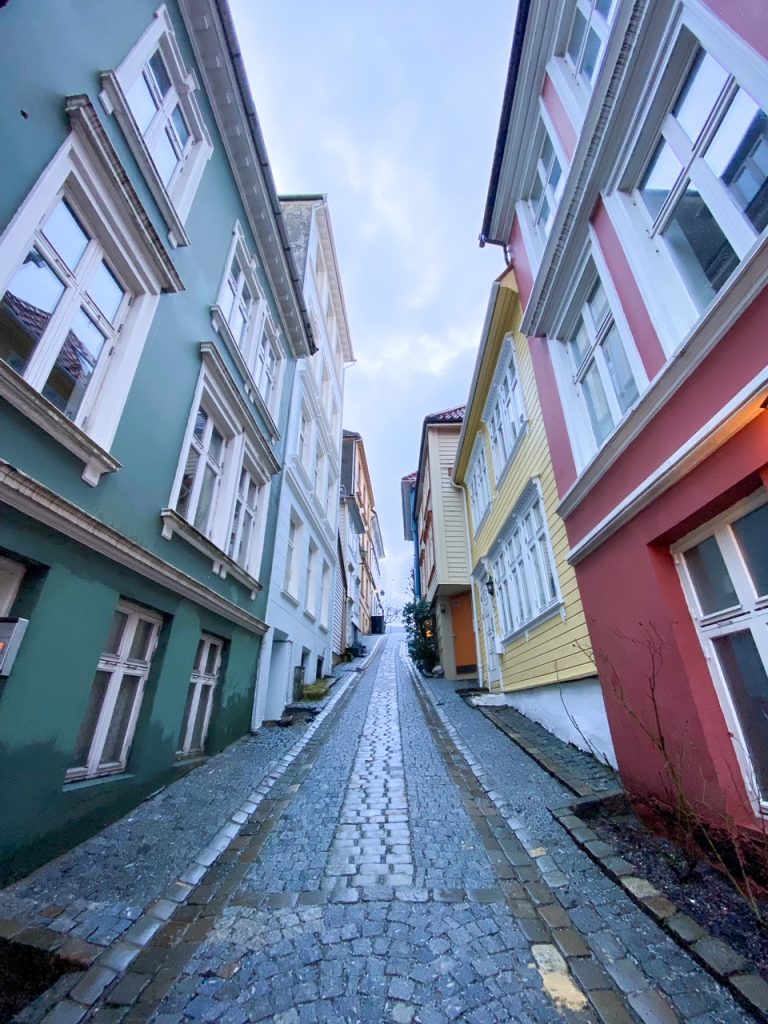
pixel 727 966
pixel 588 973
pixel 105 966
pixel 550 767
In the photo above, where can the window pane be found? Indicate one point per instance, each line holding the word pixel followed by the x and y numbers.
pixel 201 419
pixel 185 719
pixel 200 655
pixel 598 305
pixel 577 35
pixel 662 173
pixel 591 55
pixel 245 539
pixel 90 721
pixel 187 482
pixel 237 323
pixel 703 253
pixel 140 644
pixel 711 580
pixel 751 532
pixel 198 732
pixel 65 234
pixel 141 103
pixel 210 663
pixel 738 155
pixel 579 345
pixel 105 291
pixel 180 124
pixel 235 526
pixel 216 446
pixel 121 716
pixel 619 369
pixel 164 156
pixel 74 366
pixel 597 406
pixel 604 7
pixel 159 73
pixel 202 515
pixel 699 94
pixel 745 674
pixel 26 309
pixel 112 645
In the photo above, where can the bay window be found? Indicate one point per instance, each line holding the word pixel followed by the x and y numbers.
pixel 505 413
pixel 479 488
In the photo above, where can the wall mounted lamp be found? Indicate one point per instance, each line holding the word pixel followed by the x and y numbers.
pixel 489 586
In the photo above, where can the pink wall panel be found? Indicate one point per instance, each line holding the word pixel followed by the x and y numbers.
pixel 522 264
pixel 645 338
pixel 749 18
pixel 566 132
pixel 552 412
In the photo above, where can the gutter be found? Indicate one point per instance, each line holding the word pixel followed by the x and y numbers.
pixel 238 64
pixel 506 109
pixel 489 314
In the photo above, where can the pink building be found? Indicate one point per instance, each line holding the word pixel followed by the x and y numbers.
pixel 629 191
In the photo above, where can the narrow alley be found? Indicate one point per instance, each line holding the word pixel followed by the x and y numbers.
pixel 397 862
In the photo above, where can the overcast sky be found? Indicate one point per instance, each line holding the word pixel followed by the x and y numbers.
pixel 391 109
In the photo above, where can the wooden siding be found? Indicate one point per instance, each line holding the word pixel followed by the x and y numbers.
pixel 557 649
pixel 449 525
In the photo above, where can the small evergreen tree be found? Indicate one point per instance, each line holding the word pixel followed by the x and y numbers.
pixel 420 630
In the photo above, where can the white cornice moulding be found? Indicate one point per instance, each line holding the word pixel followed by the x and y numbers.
pixel 223 565
pixel 222 328
pixel 33 499
pixel 728 421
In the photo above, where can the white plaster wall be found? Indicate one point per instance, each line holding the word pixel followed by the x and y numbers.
pixel 584 703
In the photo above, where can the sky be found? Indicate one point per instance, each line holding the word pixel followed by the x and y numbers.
pixel 391 109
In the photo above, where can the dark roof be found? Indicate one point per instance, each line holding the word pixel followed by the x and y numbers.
pixel 410 478
pixel 455 415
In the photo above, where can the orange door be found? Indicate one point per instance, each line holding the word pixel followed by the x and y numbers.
pixel 463 633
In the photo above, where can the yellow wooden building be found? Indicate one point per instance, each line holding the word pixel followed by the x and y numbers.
pixel 533 643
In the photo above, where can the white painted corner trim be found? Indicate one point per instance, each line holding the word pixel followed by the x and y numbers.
pixel 29 496
pixel 725 424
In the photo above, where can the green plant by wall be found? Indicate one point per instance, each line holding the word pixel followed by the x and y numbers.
pixel 420 630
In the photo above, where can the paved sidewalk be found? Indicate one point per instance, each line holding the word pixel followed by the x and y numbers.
pixel 399 865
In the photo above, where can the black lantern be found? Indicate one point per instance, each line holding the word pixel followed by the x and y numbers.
pixel 489 586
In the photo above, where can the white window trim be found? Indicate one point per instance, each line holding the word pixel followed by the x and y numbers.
pixel 11 575
pixel 217 392
pixel 603 34
pixel 174 202
pixel 292 573
pixel 478 453
pixel 507 361
pixel 200 680
pixel 87 168
pixel 531 496
pixel 116 665
pixel 739 618
pixel 584 445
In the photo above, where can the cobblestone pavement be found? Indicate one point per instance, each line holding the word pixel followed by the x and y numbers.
pixel 584 774
pixel 401 866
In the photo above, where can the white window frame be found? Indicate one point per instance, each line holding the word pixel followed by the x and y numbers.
pixel 175 199
pixel 94 187
pixel 310 589
pixel 670 303
pixel 602 28
pixel 521 561
pixel 217 394
pixel 201 683
pixel 506 421
pixel 749 615
pixel 325 596
pixel 478 484
pixel 242 350
pixel 294 547
pixel 584 441
pixel 243 511
pixel 537 170
pixel 11 576
pixel 268 374
pixel 117 665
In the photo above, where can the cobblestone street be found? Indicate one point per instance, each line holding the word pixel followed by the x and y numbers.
pixel 397 863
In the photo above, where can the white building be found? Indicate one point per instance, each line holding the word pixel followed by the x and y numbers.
pixel 300 603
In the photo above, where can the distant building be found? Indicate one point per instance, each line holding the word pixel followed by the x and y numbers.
pixel 357 500
pixel 300 605
pixel 629 192
pixel 151 317
pixel 531 629
pixel 443 548
pixel 410 525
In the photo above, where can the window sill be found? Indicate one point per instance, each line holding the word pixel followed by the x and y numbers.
pixel 309 615
pixel 75 784
pixel 15 390
pixel 222 328
pixel 223 565
pixel 290 598
pixel 114 102
pixel 324 628
pixel 558 608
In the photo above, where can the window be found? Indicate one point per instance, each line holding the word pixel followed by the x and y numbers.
pixel 546 185
pixel 724 568
pixel 267 364
pixel 80 276
pixel 588 36
pixel 319 473
pixel 304 447
pixel 704 192
pixel 523 569
pixel 240 303
pixel 197 712
pixel 295 530
pixel 219 497
pixel 479 489
pixel 505 413
pixel 603 379
pixel 203 471
pixel 310 595
pixel 325 595
pixel 152 95
pixel 106 732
